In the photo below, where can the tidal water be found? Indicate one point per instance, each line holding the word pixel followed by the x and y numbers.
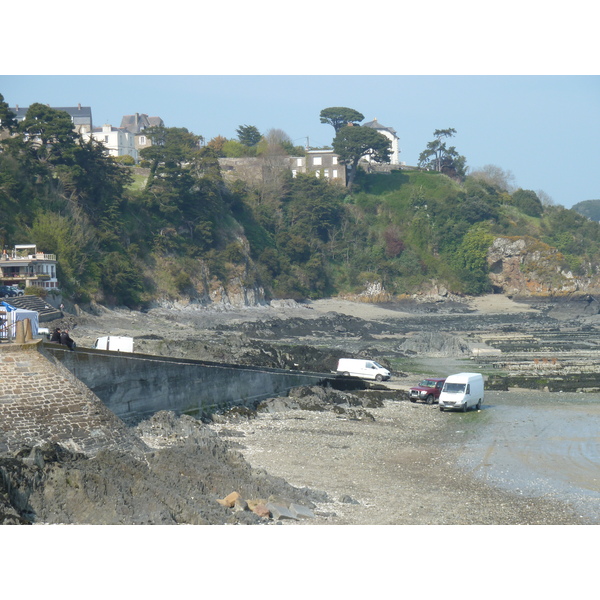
pixel 539 445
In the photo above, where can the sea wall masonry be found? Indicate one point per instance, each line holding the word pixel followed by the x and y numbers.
pixel 134 386
pixel 42 401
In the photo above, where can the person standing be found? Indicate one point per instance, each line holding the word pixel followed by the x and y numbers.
pixel 66 340
pixel 56 336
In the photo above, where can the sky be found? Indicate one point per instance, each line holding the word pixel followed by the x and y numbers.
pixel 542 129
pixel 520 84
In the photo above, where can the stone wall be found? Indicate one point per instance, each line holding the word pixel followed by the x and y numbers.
pixel 135 386
pixel 83 399
pixel 41 401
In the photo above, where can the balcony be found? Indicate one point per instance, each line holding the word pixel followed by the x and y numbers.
pixel 6 260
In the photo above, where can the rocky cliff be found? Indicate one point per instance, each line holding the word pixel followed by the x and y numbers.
pixel 527 266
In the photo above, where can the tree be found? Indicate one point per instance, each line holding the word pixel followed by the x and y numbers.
pixel 248 135
pixel 528 202
pixel 48 131
pixel 217 144
pixel 441 158
pixel 339 116
pixel 496 176
pixel 7 117
pixel 353 142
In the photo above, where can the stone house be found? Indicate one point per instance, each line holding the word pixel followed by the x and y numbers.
pixel 253 170
pixel 136 124
pixel 323 163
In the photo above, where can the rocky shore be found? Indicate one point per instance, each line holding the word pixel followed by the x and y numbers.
pixel 318 456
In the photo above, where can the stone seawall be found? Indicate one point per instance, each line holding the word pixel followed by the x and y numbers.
pixel 42 401
pixel 135 386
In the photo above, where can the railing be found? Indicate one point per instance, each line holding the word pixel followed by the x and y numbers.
pixel 30 257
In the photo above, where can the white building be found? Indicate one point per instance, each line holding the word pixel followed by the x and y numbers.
pixel 389 133
pixel 26 266
pixel 118 141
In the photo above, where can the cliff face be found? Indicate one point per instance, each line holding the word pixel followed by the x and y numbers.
pixel 526 266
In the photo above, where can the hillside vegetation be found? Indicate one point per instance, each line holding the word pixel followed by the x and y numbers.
pixel 183 233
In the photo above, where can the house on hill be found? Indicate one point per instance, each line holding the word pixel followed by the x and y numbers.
pixel 136 124
pixel 81 116
pixel 28 266
pixel 389 133
pixel 323 163
pixel 253 170
pixel 116 140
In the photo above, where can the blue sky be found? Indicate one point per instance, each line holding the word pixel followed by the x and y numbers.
pixel 520 83
pixel 543 129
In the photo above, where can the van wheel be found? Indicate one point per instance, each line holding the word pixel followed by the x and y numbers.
pixel 464 407
pixel 478 407
pixel 379 378
pixel 429 399
pixel 442 408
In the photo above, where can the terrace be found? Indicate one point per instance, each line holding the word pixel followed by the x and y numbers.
pixel 24 264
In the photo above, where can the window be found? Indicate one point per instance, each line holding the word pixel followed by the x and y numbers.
pixel 142 140
pixel 334 173
pixel 317 161
pixel 299 162
pixel 334 160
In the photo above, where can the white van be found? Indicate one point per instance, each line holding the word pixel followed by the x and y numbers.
pixel 366 369
pixel 461 391
pixel 114 342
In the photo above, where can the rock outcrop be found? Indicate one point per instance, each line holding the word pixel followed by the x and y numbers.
pixel 527 266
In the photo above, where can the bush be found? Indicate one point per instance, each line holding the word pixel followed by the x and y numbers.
pixel 528 202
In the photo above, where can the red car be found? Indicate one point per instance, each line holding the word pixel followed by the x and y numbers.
pixel 428 390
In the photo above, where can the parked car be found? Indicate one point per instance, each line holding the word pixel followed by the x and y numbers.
pixel 428 390
pixel 7 292
pixel 17 289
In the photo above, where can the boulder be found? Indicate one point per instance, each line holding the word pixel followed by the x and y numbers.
pixel 230 500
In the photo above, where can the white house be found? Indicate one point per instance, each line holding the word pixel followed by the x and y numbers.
pixel 27 266
pixel 118 141
pixel 389 133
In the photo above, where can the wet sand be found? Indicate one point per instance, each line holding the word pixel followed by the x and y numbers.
pixel 540 445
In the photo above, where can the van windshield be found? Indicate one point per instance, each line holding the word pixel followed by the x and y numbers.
pixel 454 388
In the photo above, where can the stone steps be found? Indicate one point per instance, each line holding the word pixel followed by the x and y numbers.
pixel 45 311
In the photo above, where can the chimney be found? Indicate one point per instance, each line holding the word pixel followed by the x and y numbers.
pixel 79 106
